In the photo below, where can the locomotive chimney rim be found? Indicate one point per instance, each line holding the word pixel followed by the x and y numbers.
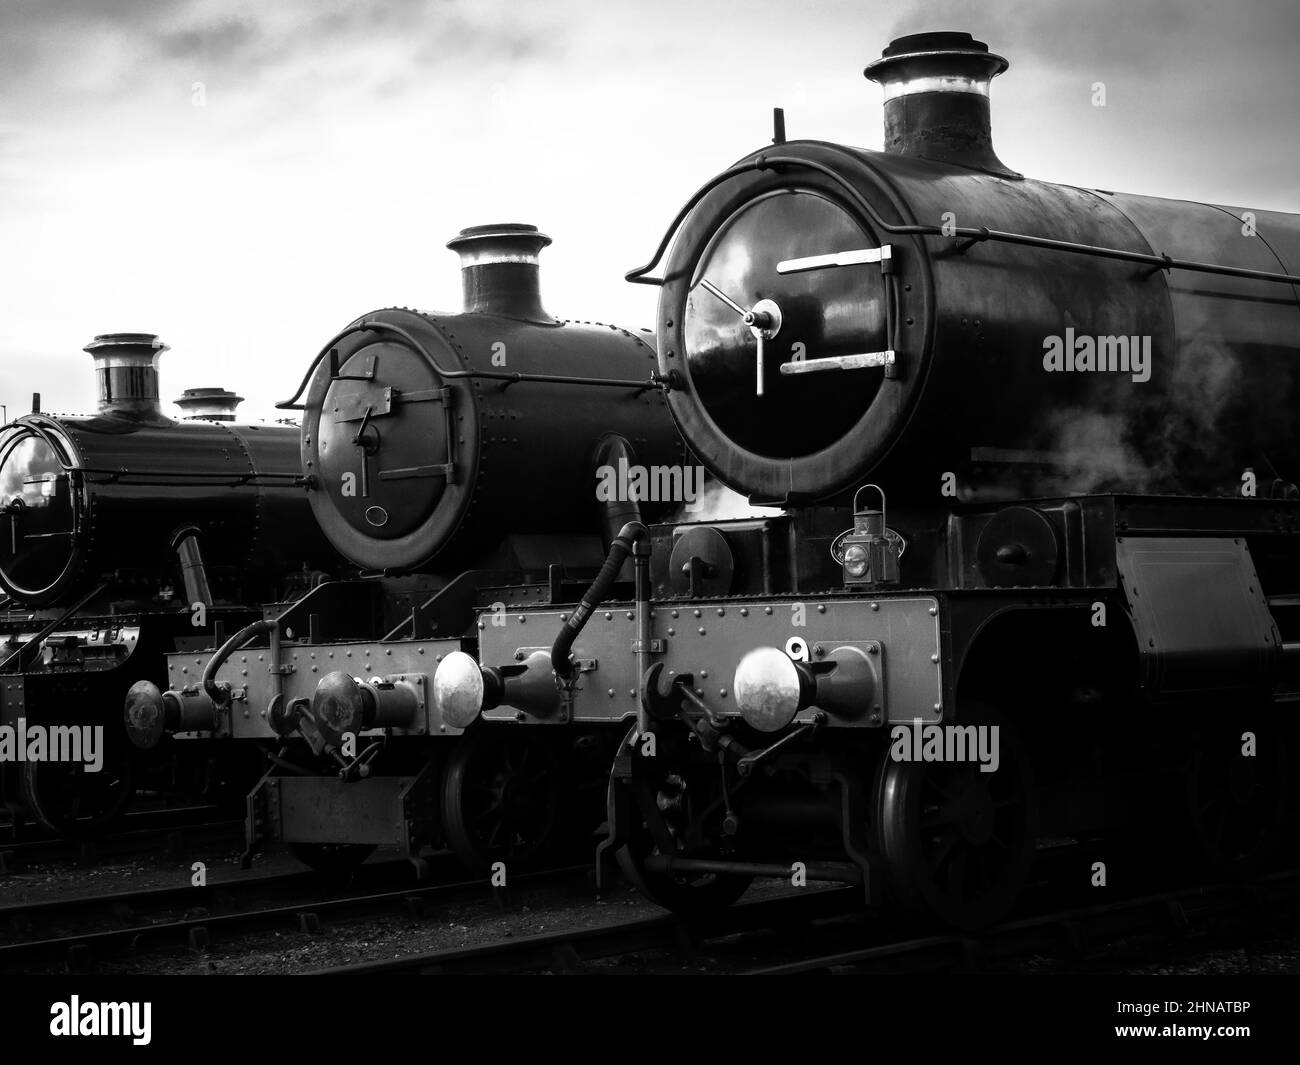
pixel 126 366
pixel 936 88
pixel 509 242
pixel 499 270
pixel 209 404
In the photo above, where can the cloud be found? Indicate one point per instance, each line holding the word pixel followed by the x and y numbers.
pixel 343 141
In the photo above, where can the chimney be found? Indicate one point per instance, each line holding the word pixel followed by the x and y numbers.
pixel 126 365
pixel 937 99
pixel 209 404
pixel 498 269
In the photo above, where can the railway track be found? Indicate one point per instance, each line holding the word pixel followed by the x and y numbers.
pixel 81 932
pixel 569 950
pixel 174 831
pixel 826 932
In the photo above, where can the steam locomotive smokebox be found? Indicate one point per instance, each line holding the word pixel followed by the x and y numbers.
pixel 86 497
pixel 927 319
pixel 429 435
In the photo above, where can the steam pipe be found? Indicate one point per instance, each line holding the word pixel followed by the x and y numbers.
pixel 622 546
pixel 185 542
pixel 641 564
pixel 615 513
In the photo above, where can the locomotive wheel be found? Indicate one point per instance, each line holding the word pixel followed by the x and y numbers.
pixel 72 802
pixel 958 843
pixel 332 859
pixel 1235 801
pixel 683 893
pixel 499 796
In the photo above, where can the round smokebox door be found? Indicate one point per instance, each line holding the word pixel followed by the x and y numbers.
pixel 382 441
pixel 37 514
pixel 822 313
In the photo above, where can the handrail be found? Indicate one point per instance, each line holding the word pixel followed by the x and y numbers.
pixel 975 234
pixel 490 375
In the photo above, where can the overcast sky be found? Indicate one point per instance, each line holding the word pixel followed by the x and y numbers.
pixel 340 143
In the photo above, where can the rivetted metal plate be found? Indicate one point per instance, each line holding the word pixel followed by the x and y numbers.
pixel 708 638
pixel 248 674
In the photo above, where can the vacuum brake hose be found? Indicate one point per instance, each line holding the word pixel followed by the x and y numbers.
pixel 257 628
pixel 618 552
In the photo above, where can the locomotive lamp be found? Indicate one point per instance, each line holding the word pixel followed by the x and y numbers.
pixel 869 552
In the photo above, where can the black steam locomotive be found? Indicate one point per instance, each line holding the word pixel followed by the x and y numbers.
pixel 125 536
pixel 1080 614
pixel 453 458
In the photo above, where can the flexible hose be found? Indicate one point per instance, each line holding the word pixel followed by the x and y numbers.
pixel 257 628
pixel 618 552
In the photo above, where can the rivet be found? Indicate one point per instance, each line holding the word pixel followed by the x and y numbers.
pixel 674 613
pixel 872 649
pixel 608 615
pixel 704 673
pixel 722 613
pixel 767 610
pixel 522 619
pixel 629 615
pixel 722 692
pixel 938 708
pixel 933 611
pixel 821 608
pixel 701 630
pixel 611 693
pixel 672 632
pixel 934 657
pixel 875 606
pixel 744 611
pixel 699 613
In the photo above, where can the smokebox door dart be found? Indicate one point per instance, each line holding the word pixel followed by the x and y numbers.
pixel 763 319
